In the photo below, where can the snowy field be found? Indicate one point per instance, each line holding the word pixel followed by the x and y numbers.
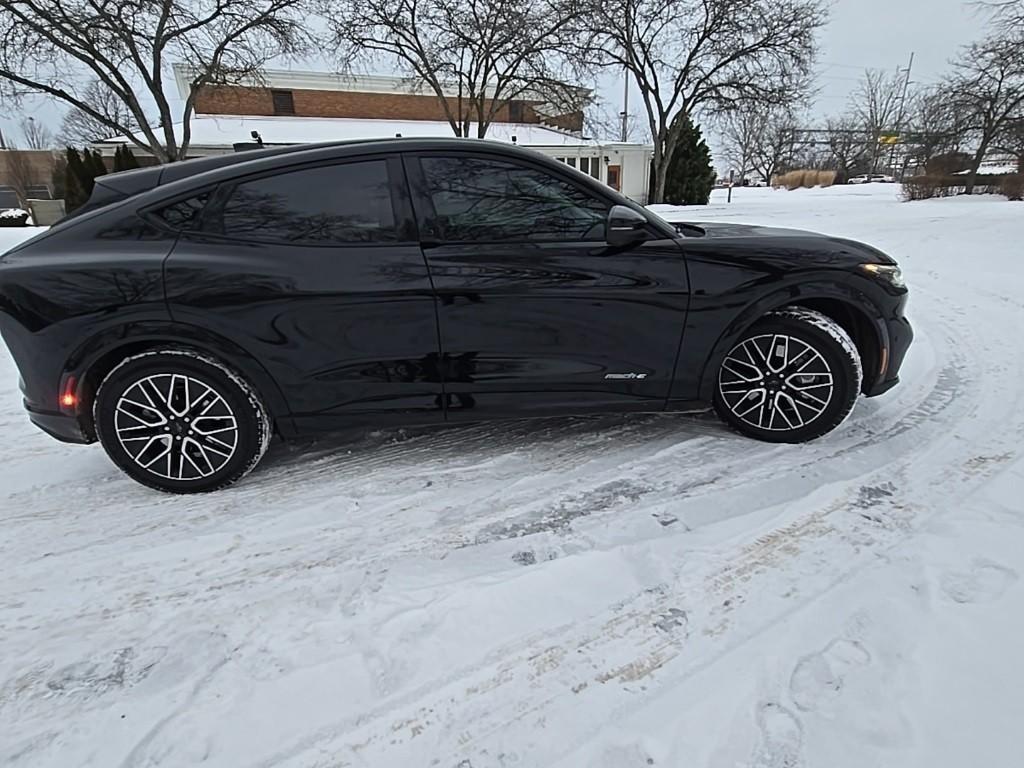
pixel 587 593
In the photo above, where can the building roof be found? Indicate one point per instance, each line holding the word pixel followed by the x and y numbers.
pixel 332 81
pixel 226 130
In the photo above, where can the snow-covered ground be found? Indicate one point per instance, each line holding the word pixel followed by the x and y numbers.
pixel 597 593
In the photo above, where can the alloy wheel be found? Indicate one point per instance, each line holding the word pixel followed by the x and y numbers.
pixel 176 426
pixel 776 382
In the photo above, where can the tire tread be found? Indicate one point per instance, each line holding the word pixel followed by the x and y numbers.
pixel 259 411
pixel 844 346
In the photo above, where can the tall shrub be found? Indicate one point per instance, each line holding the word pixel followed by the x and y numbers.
pixel 690 175
pixel 82 169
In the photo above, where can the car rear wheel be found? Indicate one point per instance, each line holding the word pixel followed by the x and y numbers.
pixel 180 421
pixel 793 377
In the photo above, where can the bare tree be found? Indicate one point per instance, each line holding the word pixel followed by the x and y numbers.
pixel 79 128
pixel 1011 141
pixel 127 46
pixel 687 56
pixel 485 52
pixel 773 149
pixel 37 135
pixel 1007 15
pixel 934 126
pixel 740 132
pixel 875 104
pixel 850 144
pixel 987 88
pixel 604 121
pixel 758 138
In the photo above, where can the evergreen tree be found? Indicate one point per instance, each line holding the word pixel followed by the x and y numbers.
pixel 690 176
pixel 59 176
pixel 124 160
pixel 82 169
pixel 95 166
pixel 75 194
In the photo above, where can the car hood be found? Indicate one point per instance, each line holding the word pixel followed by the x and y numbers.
pixel 756 237
pixel 729 229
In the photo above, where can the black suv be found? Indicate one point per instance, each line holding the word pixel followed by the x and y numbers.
pixel 191 311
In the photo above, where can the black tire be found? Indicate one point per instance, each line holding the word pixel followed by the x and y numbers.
pixel 209 430
pixel 789 401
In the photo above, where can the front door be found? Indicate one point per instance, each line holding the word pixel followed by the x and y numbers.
pixel 614 177
pixel 537 313
pixel 317 273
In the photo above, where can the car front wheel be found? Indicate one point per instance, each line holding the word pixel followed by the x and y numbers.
pixel 794 376
pixel 180 421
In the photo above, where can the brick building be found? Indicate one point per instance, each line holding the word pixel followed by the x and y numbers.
pixel 372 97
pixel 25 174
pixel 306 107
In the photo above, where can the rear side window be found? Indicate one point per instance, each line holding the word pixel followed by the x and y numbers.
pixel 348 203
pixel 184 214
pixel 483 200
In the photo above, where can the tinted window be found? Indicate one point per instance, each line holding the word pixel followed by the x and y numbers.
pixel 184 214
pixel 348 203
pixel 493 201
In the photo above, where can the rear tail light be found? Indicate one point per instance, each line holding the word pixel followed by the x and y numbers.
pixel 68 398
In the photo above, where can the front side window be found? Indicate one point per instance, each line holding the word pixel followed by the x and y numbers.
pixel 479 200
pixel 348 203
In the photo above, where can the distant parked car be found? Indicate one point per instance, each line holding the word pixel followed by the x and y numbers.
pixel 13 217
pixel 198 308
pixel 869 178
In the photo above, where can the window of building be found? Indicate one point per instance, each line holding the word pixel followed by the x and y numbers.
pixel 615 177
pixel 478 200
pixel 343 204
pixel 284 102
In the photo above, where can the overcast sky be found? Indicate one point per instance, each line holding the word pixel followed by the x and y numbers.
pixel 881 34
pixel 878 34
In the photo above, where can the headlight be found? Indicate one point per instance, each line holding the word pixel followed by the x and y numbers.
pixel 887 273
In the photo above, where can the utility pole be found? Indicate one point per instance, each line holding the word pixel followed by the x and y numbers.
pixel 899 117
pixel 625 109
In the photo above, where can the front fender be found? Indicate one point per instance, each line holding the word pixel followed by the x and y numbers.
pixel 708 346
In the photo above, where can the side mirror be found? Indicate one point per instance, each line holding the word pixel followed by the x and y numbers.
pixel 625 226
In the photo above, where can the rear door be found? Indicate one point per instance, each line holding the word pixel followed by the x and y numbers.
pixel 537 313
pixel 317 272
